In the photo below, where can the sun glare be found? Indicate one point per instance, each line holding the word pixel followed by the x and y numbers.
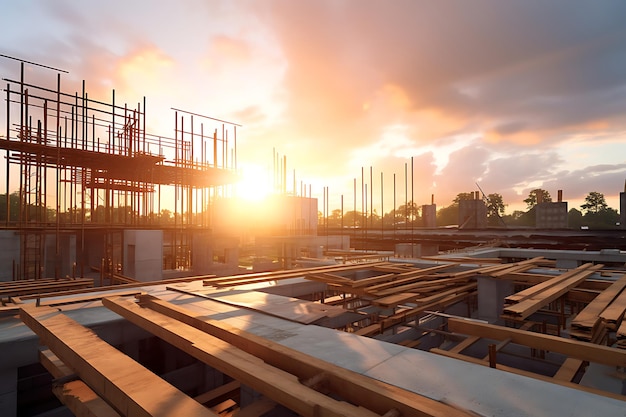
pixel 254 184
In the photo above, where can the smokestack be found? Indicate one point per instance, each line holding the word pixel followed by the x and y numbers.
pixel 560 196
pixel 432 199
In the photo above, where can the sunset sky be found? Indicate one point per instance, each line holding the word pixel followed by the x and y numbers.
pixel 512 95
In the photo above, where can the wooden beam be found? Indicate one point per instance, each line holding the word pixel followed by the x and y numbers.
pixel 257 409
pixel 588 317
pixel 248 369
pixel 410 277
pixel 76 395
pixel 577 349
pixel 227 390
pixel 82 400
pixel 538 288
pixel 569 369
pixel 127 385
pixel 351 386
pixel 535 302
pixel 87 298
pixel 469 341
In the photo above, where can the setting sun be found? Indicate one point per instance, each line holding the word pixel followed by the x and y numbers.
pixel 254 185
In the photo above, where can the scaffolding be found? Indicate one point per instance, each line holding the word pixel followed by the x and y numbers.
pixel 86 164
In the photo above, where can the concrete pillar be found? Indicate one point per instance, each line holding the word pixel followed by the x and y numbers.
pixel 472 214
pixel 202 253
pixel 622 210
pixel 429 215
pixel 491 294
pixel 143 254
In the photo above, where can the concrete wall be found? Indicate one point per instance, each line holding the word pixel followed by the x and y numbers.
pixel 143 254
pixel 202 253
pixel 65 259
pixel 9 253
pixel 622 210
pixel 472 214
pixel 491 294
pixel 415 250
pixel 551 215
pixel 429 215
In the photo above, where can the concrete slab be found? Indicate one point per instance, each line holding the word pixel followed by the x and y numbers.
pixel 487 391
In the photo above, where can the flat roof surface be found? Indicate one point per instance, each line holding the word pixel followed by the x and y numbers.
pixel 483 390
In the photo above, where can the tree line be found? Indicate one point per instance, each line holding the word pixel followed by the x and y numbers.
pixel 594 213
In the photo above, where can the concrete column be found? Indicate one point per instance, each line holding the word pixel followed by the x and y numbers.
pixel 429 215
pixel 622 210
pixel 491 294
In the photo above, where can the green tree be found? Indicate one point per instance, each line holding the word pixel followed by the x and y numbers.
pixel 495 208
pixel 575 219
pixel 447 216
pixel 594 203
pixel 462 196
pixel 409 212
pixel 537 195
pixel 14 202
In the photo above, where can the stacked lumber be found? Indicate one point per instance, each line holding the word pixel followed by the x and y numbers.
pixel 526 302
pixel 260 277
pixel 605 311
pixel 38 286
pixel 621 335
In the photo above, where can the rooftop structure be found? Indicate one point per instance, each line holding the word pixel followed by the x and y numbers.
pixel 419 333
pixel 109 308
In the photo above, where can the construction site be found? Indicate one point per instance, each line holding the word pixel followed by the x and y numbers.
pixel 130 285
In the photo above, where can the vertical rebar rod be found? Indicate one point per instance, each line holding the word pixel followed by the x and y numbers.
pixel 8 204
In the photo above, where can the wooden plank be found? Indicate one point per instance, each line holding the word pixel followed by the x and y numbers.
pixel 569 369
pixel 292 273
pixel 469 341
pixel 373 280
pixel 439 296
pixel 351 386
pixel 529 374
pixel 87 298
pixel 53 364
pixel 395 299
pixel 535 289
pixel 126 384
pixel 47 287
pixel 614 313
pixel 248 369
pixel 76 395
pixel 113 287
pixel 410 277
pixel 420 285
pixel 587 318
pixel 407 315
pixel 535 302
pixel 230 388
pixel 82 400
pixel 573 348
pixel 513 269
pixel 257 409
